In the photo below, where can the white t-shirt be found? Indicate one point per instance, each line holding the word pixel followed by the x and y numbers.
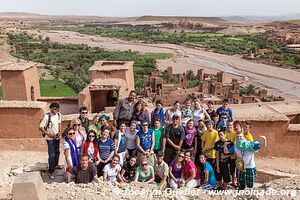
pixel 130 139
pixel 67 146
pixel 247 156
pixel 197 115
pixel 78 140
pixel 170 113
pixel 112 172
pixel 53 125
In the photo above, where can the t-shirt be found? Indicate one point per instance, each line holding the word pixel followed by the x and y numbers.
pixel 142 176
pixel 171 113
pixel 187 167
pixel 188 141
pixel 130 139
pixel 197 115
pixel 122 142
pixel 228 111
pixel 53 128
pixel 84 123
pixel 66 146
pixel 211 174
pixel 112 172
pixel 162 169
pixel 78 138
pixel 210 138
pixel 247 156
pixel 219 147
pixel 105 148
pixel 157 134
pixel 174 134
pixel 84 176
pixel 176 171
pixel 249 137
pixel 129 172
pixel 145 139
pixel 232 137
pixel 212 114
pixel 187 114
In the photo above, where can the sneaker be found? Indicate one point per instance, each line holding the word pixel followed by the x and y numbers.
pixel 50 175
pixel 59 167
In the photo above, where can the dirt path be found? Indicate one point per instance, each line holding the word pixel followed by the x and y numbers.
pixel 285 81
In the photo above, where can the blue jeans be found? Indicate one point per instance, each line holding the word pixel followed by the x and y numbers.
pixel 53 154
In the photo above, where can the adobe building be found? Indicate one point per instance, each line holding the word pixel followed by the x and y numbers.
pixel 110 80
pixel 20 81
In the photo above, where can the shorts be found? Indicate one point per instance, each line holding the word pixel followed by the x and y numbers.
pixel 232 166
pixel 224 172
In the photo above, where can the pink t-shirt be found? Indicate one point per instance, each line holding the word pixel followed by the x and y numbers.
pixel 188 166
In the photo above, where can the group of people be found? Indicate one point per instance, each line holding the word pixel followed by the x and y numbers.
pixel 183 146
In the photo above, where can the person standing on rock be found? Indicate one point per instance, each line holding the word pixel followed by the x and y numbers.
pixel 50 126
pixel 124 109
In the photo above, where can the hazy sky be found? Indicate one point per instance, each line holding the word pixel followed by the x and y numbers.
pixel 153 7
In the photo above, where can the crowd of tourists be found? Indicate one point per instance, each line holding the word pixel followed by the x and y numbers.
pixel 190 145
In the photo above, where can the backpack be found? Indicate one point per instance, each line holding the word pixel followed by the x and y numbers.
pixel 48 121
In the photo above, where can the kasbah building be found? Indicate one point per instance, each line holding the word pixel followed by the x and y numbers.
pixel 110 80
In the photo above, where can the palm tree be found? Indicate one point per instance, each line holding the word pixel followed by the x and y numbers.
pixel 250 89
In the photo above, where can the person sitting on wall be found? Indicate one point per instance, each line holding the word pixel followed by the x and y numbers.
pixel 209 181
pixel 124 109
pixel 85 172
pixel 50 126
pixel 128 170
pixel 175 171
pixel 111 171
pixel 161 170
pixel 83 111
pixel 145 172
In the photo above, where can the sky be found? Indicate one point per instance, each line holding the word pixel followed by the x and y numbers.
pixel 131 8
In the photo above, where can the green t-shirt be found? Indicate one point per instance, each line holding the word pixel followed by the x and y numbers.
pixel 142 176
pixel 157 134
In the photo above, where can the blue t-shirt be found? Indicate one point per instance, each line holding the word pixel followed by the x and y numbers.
pixel 122 143
pixel 211 177
pixel 105 148
pixel 221 110
pixel 145 139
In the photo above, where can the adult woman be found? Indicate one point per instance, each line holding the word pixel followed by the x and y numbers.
pixel 199 113
pixel 210 181
pixel 158 112
pixel 175 168
pixel 79 136
pixel 145 173
pixel 190 176
pixel 128 171
pixel 104 125
pixel 130 138
pixel 95 126
pixel 111 171
pixel 187 112
pixel 120 143
pixel 90 148
pixel 158 132
pixel 190 133
pixel 198 141
pixel 140 114
pixel 106 150
pixel 172 111
pixel 70 152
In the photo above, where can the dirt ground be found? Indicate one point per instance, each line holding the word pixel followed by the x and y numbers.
pixel 57 189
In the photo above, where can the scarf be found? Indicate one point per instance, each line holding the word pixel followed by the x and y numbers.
pixel 245 145
pixel 161 115
pixel 189 135
pixel 73 150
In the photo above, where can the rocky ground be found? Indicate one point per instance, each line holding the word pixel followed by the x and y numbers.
pixel 14 163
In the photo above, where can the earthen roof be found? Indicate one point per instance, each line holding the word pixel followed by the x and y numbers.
pixel 22 104
pixel 108 83
pixel 111 65
pixel 287 108
pixel 17 66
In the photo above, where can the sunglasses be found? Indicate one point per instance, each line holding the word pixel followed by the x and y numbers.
pixel 73 133
pixel 144 124
pixel 55 108
pixel 84 112
pixel 76 125
pixel 181 156
pixel 144 164
pixel 91 136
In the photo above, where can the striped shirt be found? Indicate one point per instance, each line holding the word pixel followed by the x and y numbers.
pixel 105 148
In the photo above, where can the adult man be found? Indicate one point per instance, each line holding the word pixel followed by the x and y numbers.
pixel 83 111
pixel 246 168
pixel 124 109
pixel 161 170
pixel 209 138
pixel 174 136
pixel 224 109
pixel 85 172
pixel 50 126
pixel 145 141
